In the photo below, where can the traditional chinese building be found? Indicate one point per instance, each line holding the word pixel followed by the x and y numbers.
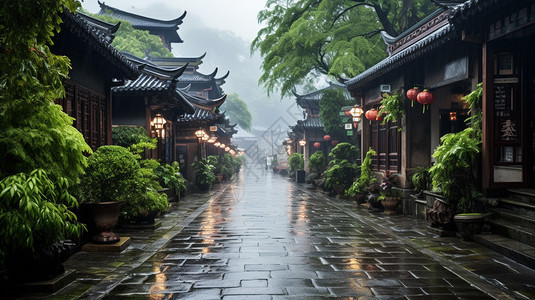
pixel 448 53
pixel 156 93
pixel 307 136
pixel 165 29
pixel 460 45
pixel 96 68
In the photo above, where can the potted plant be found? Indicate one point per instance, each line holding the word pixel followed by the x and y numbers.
pixel 392 107
pixel 169 177
pixel 144 202
pixel 421 180
pixel 316 163
pixel 296 162
pixel 389 198
pixel 452 173
pixel 365 181
pixel 109 179
pixel 204 174
pixel 342 167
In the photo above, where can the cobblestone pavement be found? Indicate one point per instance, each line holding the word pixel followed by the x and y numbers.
pixel 265 237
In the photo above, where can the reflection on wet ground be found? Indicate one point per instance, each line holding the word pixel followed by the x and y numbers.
pixel 268 238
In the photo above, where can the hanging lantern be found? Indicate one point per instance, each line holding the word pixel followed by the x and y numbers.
pixel 302 143
pixel 371 114
pixel 412 94
pixel 317 144
pixel 356 111
pixel 347 113
pixel 326 137
pixel 425 97
pixel 334 142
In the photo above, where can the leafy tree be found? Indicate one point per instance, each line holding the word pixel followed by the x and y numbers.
pixel 236 109
pixel 305 38
pixel 42 154
pixel 330 104
pixel 138 42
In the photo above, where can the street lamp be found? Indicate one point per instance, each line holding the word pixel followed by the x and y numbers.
pixel 200 134
pixel 356 112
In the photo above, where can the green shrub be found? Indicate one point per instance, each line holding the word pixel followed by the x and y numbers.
pixel 296 162
pixel 316 162
pixel 344 151
pixel 366 179
pixel 133 138
pixel 110 175
pixel 34 212
pixel 421 179
pixel 204 172
pixel 341 173
pixel 169 176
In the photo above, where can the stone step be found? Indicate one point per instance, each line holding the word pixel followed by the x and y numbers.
pixel 513 215
pixel 526 196
pixel 515 250
pixel 518 207
pixel 511 229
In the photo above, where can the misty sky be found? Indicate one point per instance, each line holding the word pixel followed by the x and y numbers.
pixel 224 30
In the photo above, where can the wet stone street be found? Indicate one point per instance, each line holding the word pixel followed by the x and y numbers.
pixel 264 237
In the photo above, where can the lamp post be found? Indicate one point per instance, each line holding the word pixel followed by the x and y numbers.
pixel 356 112
pixel 158 124
pixel 200 134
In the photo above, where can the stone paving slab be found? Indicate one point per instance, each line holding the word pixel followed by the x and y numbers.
pixel 266 237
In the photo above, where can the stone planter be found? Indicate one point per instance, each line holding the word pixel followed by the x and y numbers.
pixel 469 224
pixel 390 204
pixel 105 216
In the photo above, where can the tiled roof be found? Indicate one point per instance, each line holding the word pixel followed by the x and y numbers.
pixel 100 40
pixel 141 22
pixel 311 100
pixel 309 123
pixel 432 41
pixel 200 115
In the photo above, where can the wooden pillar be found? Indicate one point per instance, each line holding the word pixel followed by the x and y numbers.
pixel 487 148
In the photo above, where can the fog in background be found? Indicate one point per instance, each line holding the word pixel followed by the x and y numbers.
pixel 224 30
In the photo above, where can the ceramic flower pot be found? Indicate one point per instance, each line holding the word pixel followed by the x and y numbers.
pixel 390 204
pixel 469 224
pixel 105 216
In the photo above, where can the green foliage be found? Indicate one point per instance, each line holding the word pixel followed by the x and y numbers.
pixel 144 197
pixel 36 133
pixel 330 104
pixel 343 151
pixel 169 176
pixel 296 162
pixel 341 173
pixel 138 42
pixel 392 107
pixel 366 178
pixel 304 38
pixel 204 171
pixel 316 162
pixel 110 175
pixel 133 138
pixel 34 212
pixel 421 179
pixel 42 154
pixel 452 171
pixel 239 161
pixel 236 109
pixel 474 100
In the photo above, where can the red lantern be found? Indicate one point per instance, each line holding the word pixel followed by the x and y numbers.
pixel 371 114
pixel 326 137
pixel 334 142
pixel 348 113
pixel 317 144
pixel 412 94
pixel 425 97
